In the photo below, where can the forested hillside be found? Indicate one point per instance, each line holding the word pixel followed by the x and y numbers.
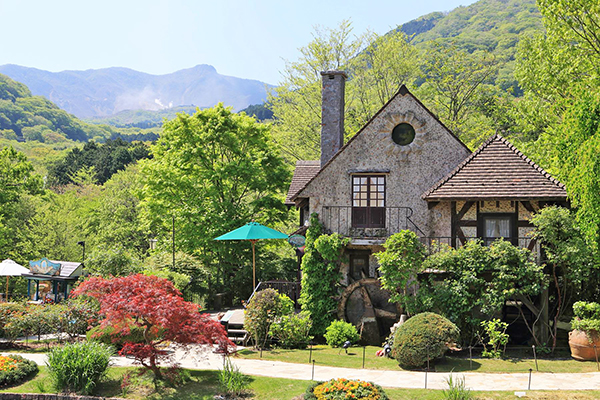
pixel 35 118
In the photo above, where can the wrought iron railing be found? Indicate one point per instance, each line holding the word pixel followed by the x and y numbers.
pixel 290 289
pixel 339 219
pixel 438 243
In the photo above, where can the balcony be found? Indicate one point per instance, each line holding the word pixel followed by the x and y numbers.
pixel 368 223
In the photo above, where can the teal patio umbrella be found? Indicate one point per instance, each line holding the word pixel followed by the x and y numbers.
pixel 253 231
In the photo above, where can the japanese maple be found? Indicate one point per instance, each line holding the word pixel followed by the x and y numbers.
pixel 157 307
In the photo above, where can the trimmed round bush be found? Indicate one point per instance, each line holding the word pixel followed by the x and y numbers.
pixel 339 332
pixel 262 310
pixel 292 331
pixel 422 336
pixel 345 389
pixel 79 367
pixel 14 369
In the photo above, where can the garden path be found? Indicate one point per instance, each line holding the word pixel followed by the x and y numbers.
pixel 203 358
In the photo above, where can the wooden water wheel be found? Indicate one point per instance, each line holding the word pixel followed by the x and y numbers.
pixel 364 304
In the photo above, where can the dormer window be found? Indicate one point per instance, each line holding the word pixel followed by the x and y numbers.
pixel 368 201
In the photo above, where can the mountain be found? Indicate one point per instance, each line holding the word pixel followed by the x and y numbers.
pixel 142 118
pixel 492 25
pixel 105 92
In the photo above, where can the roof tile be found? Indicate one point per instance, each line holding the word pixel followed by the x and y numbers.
pixel 304 172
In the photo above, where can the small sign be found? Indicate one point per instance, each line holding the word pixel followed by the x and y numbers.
pixel 44 267
pixel 297 241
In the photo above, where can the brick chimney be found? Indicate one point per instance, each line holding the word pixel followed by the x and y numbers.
pixel 332 113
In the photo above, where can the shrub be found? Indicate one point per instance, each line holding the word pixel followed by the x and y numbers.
pixel 344 389
pixel 424 336
pixel 263 309
pixel 339 332
pixel 12 318
pixel 231 380
pixel 14 369
pixel 81 313
pixel 586 317
pixel 495 330
pixel 78 367
pixel 292 331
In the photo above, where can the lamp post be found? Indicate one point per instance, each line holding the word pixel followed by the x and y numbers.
pixel 82 244
pixel 173 242
pixel 152 243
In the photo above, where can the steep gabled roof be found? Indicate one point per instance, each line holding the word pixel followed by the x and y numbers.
pixel 497 170
pixel 403 91
pixel 304 172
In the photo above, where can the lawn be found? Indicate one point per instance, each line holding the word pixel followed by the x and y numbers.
pixel 203 386
pixel 325 355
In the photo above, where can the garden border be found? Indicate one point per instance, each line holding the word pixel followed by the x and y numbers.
pixel 45 396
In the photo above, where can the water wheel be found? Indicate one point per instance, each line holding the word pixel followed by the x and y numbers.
pixel 364 304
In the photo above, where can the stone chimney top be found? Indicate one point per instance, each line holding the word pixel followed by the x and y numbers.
pixel 332 113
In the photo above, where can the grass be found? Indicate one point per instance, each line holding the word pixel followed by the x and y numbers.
pixel 203 386
pixel 325 355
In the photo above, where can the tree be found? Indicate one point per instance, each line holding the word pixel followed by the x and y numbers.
pixel 400 262
pixel 569 259
pixel 376 66
pixel 455 78
pixel 17 181
pixel 213 172
pixel 154 305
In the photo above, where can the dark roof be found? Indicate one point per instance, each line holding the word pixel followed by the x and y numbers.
pixel 497 170
pixel 403 91
pixel 304 172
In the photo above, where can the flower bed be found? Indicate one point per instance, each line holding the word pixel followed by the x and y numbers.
pixel 345 389
pixel 14 369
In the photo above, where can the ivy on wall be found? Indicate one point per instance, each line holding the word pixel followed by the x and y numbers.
pixel 321 274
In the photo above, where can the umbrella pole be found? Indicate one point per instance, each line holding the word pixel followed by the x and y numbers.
pixel 253 265
pixel 6 297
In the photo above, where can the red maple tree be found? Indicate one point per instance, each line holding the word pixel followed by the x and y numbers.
pixel 157 307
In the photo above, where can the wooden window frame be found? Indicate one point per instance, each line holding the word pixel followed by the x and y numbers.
pixel 364 214
pixel 514 229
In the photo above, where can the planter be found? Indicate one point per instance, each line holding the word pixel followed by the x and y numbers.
pixel 581 347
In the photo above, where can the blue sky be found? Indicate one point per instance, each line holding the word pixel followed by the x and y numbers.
pixel 247 39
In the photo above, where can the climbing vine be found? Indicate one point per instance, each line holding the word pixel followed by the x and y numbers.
pixel 321 274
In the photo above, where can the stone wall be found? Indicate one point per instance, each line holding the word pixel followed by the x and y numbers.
pixel 410 170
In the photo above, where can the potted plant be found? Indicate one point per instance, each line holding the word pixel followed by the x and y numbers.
pixel 584 339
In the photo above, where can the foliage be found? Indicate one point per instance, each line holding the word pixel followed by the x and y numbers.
pixel 424 337
pixel 106 159
pixel 107 336
pixel 262 311
pixel 339 332
pixel 154 305
pixel 586 317
pixel 213 172
pixel 376 65
pixel 495 331
pixel 37 118
pixel 400 262
pixel 342 388
pixel 568 257
pixel 14 369
pixel 320 274
pixel 231 380
pixel 480 279
pixel 116 261
pixel 292 331
pixel 78 367
pixel 188 274
pixel 457 389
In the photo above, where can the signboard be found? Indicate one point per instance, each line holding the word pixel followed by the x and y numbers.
pixel 297 241
pixel 44 267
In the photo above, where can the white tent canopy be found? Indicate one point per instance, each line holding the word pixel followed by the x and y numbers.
pixel 11 268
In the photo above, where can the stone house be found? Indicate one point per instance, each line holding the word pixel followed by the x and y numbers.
pixel 405 170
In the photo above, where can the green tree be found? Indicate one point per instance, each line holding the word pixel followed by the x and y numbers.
pixel 376 66
pixel 213 172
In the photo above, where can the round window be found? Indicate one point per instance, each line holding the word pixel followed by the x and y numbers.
pixel 403 134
